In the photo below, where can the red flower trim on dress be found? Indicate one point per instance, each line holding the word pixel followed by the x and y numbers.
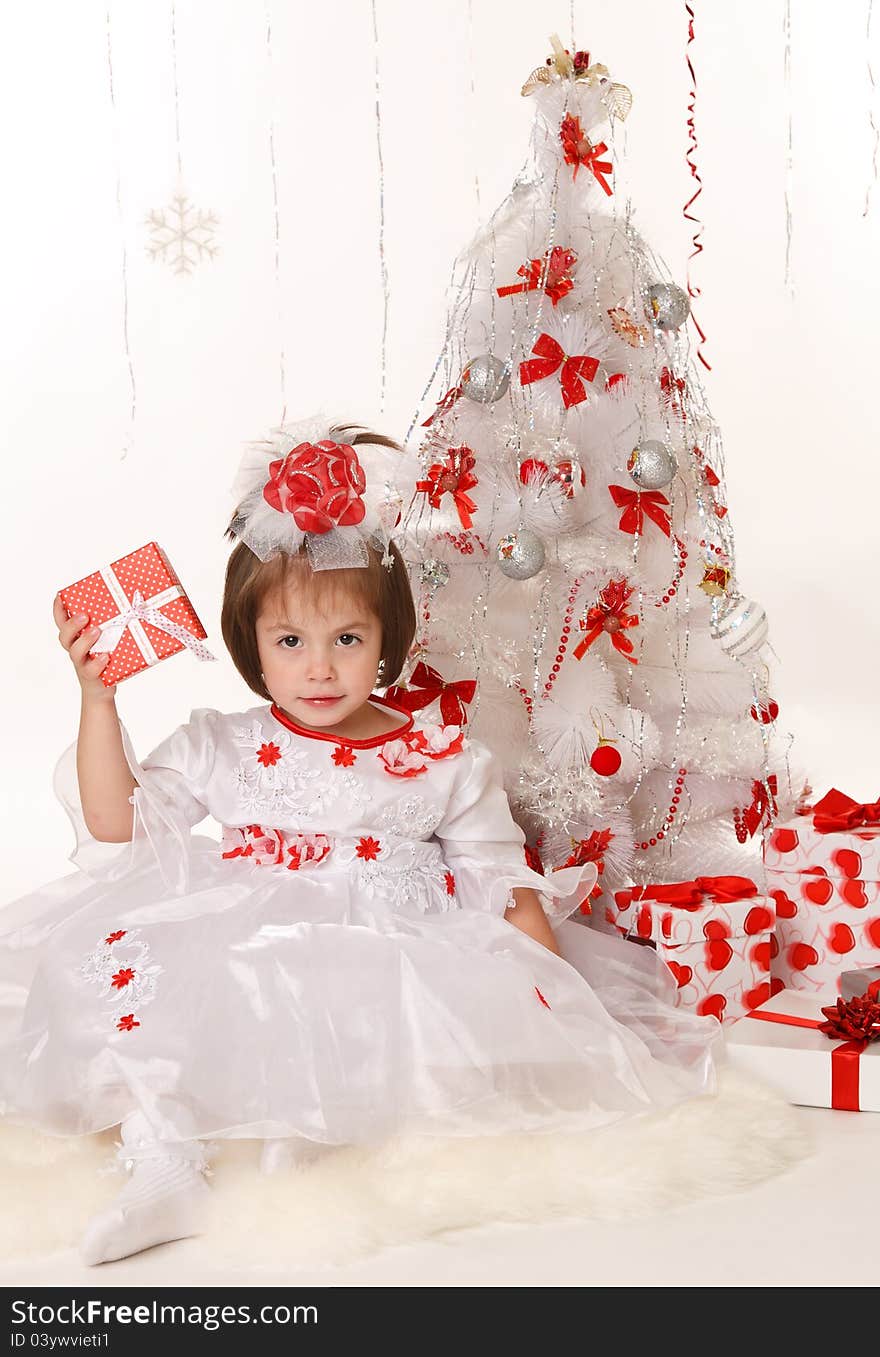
pixel 273 847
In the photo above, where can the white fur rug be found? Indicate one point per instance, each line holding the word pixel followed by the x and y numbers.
pixel 352 1202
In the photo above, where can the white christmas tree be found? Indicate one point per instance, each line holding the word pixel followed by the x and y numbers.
pixel 569 538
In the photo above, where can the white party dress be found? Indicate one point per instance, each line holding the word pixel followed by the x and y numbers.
pixel 338 968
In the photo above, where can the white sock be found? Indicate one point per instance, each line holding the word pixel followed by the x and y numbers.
pixel 165 1198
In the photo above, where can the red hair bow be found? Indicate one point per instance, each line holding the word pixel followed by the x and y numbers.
pixel 320 484
pixel 550 358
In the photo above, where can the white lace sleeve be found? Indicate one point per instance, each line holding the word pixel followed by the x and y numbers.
pixel 168 800
pixel 484 847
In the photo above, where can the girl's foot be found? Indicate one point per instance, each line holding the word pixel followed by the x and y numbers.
pixel 165 1198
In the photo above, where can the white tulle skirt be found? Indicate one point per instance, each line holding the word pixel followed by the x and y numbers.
pixel 225 999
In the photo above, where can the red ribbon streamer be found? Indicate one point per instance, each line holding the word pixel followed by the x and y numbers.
pixel 837 812
pixel 637 505
pixel 691 164
pixel 430 685
pixel 763 804
pixel 844 1060
pixel 550 358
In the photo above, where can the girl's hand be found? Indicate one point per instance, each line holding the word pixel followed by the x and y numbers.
pixel 76 636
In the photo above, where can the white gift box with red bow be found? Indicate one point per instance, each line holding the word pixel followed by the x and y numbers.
pixel 718 951
pixel 781 1044
pixel 826 887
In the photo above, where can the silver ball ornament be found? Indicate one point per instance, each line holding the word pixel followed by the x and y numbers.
pixel 434 573
pixel 651 465
pixel 520 555
pixel 485 379
pixel 668 305
pixel 741 628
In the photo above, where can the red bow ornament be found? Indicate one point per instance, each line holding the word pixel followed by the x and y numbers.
pixel 837 812
pixel 453 477
pixel 763 807
pixel 426 685
pixel 550 358
pixel 550 272
pixel 609 614
pixel 577 150
pixel 320 484
pixel 637 505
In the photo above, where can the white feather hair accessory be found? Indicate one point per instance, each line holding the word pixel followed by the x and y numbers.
pixel 305 484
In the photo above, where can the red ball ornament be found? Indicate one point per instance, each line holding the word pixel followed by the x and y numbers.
pixel 533 469
pixel 764 711
pixel 605 759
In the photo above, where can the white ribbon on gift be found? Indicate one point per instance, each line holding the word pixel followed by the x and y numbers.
pixel 134 612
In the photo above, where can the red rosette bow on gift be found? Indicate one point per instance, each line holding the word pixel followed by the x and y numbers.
pixel 453 477
pixel 854 1022
pixel 837 813
pixel 426 685
pixel 637 505
pixel 609 614
pixel 577 150
pixel 550 272
pixel 550 357
pixel 320 484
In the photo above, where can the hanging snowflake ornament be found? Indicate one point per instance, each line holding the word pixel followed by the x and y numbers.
pixel 181 235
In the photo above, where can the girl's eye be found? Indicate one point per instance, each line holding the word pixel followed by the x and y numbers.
pixel 285 639
pixel 349 636
pixel 346 636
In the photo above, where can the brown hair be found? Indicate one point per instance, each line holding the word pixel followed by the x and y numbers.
pixel 384 590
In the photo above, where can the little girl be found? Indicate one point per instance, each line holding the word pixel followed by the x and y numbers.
pixel 366 952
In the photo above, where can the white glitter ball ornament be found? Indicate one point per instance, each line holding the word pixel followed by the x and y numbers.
pixel 741 628
pixel 668 305
pixel 520 555
pixel 651 465
pixel 485 379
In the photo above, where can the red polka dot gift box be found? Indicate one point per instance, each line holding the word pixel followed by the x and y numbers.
pixel 823 873
pixel 817 1050
pixel 142 610
pixel 714 933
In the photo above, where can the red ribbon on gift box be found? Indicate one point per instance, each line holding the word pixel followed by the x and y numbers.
pixel 722 890
pixel 844 1058
pixel 837 812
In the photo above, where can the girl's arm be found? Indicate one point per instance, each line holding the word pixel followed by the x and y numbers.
pixel 529 917
pixel 105 779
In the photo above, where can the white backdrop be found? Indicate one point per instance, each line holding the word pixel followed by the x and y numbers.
pixel 794 376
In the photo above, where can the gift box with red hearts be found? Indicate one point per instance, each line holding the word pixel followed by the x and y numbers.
pixel 784 1043
pixel 714 933
pixel 865 981
pixel 142 610
pixel 823 872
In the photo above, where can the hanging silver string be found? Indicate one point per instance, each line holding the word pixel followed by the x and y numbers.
pixel 875 132
pixel 176 89
pixel 789 150
pixel 382 263
pixel 117 167
pixel 277 222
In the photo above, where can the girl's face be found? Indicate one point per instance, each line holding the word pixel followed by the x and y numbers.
pixel 320 667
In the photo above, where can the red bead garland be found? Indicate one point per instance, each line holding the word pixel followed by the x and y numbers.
pixel 560 649
pixel 661 833
pixel 672 589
